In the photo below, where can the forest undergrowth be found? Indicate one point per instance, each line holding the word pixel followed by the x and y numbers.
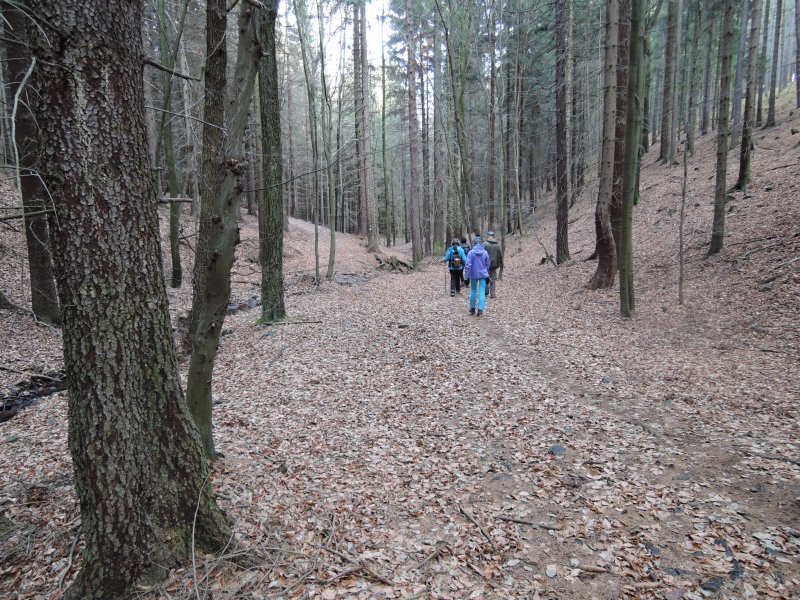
pixel 383 443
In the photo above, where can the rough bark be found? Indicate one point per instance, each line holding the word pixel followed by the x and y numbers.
pixel 44 298
pixel 747 147
pixel 720 188
pixel 270 212
pixel 140 471
pixel 219 230
pixel 562 152
pixel 605 249
pixel 773 80
pixel 439 160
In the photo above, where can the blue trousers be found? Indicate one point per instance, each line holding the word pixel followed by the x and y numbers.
pixel 477 287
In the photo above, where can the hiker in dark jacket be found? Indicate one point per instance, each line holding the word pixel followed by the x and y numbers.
pixel 477 271
pixel 455 258
pixel 466 248
pixel 495 260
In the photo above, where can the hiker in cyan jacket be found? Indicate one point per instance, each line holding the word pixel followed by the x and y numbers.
pixel 455 259
pixel 477 271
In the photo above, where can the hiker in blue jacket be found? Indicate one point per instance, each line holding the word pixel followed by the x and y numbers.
pixel 455 259
pixel 477 270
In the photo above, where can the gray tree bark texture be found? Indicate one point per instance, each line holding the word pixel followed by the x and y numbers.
pixel 739 82
pixel 44 298
pixel 140 471
pixel 270 213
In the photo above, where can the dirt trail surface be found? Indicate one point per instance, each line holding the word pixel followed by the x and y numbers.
pixel 383 443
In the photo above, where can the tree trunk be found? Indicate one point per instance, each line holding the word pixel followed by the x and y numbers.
pixel 413 136
pixel 668 98
pixel 169 59
pixel 675 103
pixel 44 298
pixel 762 67
pixel 439 160
pixel 623 74
pixel 492 167
pixel 388 200
pixel 747 147
pixel 738 81
pixel 270 212
pixel 691 126
pixel 605 249
pixel 797 50
pixel 302 30
pixel 140 472
pixel 219 231
pixel 326 116
pixel 773 80
pixel 704 121
pixel 426 161
pixel 562 151
pixel 633 131
pixel 720 189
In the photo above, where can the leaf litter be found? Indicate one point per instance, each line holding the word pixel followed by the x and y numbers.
pixel 385 444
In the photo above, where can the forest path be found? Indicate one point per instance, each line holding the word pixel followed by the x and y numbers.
pixel 380 428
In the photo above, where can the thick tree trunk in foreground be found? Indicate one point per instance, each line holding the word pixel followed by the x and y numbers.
pixel 720 188
pixel 270 212
pixel 44 298
pixel 140 470
pixel 606 251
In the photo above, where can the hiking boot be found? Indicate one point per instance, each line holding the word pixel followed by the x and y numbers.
pixel 452 294
pixel 480 313
pixel 472 311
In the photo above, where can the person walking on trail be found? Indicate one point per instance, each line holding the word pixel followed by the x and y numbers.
pixel 455 259
pixel 495 252
pixel 466 248
pixel 477 270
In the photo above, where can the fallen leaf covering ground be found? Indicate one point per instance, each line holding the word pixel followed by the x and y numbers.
pixel 384 444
